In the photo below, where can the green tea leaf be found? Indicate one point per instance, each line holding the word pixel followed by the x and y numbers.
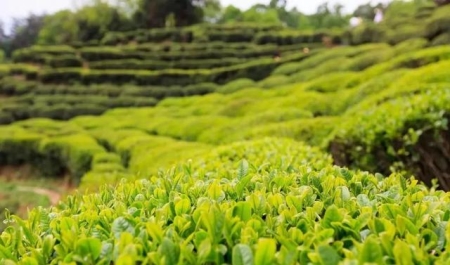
pixel 243 169
pixel 121 225
pixel 183 206
pixel 332 214
pixel 89 247
pixel 402 253
pixel 371 252
pixel 265 251
pixel 242 255
pixel 243 210
pixel 328 255
pixel 170 251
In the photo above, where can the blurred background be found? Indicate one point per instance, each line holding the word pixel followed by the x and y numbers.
pixel 26 22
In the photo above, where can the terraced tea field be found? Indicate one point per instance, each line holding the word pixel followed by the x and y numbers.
pixel 217 153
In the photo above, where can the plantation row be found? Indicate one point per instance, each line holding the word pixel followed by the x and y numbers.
pixel 255 69
pixel 205 33
pixel 244 174
pixel 251 202
pixel 121 58
pixel 47 100
pixel 320 111
pixel 53 101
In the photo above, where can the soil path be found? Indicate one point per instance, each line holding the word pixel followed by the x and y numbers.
pixel 52 195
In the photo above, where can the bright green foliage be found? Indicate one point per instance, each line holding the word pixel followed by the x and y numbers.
pixel 236 173
pixel 265 213
pixel 236 85
pixel 400 118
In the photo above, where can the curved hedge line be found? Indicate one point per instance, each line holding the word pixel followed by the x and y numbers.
pixel 404 128
pixel 255 69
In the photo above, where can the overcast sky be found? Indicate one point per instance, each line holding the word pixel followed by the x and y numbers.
pixel 21 8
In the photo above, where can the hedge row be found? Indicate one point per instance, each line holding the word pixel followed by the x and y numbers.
pixel 154 35
pixel 114 53
pixel 256 70
pixel 64 107
pixel 37 54
pixel 28 71
pixel 403 128
pixel 60 150
pixel 186 47
pixel 256 27
pixel 186 35
pixel 160 65
pixel 290 38
pixel 217 50
pixel 13 87
pixel 228 34
pixel 64 102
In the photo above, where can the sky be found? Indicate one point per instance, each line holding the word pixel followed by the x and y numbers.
pixel 21 8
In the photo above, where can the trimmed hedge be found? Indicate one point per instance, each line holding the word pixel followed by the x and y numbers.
pixel 64 107
pixel 160 65
pixel 439 23
pixel 37 54
pixel 64 61
pixel 154 35
pixel 249 203
pixel 401 129
pixel 256 70
pixel 53 154
pixel 115 53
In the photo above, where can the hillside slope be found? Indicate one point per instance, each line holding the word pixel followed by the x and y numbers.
pixel 265 171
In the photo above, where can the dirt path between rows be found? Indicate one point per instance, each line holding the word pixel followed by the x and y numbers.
pixel 53 196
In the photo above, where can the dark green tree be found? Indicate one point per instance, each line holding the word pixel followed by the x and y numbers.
pixel 153 13
pixel 24 32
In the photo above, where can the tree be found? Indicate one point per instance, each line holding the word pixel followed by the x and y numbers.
pixel 231 14
pixel 153 13
pixel 329 18
pixel 24 32
pixel 261 14
pixel 212 11
pixel 3 41
pixel 59 28
pixel 96 19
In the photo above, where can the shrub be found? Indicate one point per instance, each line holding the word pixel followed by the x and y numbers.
pixel 333 82
pixel 11 86
pixel 365 60
pixel 236 85
pixel 404 33
pixel 399 131
pixel 159 65
pixel 5 118
pixel 443 39
pixel 341 206
pixel 200 89
pixel 367 33
pixel 38 54
pixel 410 45
pixel 438 24
pixel 66 61
pixel 274 81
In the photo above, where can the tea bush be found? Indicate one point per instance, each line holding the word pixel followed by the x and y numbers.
pixel 255 212
pixel 229 172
